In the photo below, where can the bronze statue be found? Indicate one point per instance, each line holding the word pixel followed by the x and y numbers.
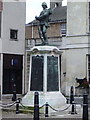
pixel 43 19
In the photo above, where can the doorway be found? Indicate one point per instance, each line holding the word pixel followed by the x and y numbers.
pixel 12 73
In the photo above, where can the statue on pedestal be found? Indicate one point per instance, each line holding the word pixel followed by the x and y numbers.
pixel 43 19
pixel 44 71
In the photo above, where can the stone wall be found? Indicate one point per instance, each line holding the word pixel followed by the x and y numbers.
pixel 52 31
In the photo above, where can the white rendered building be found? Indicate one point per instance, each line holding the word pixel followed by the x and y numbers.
pixel 76 48
pixel 12 45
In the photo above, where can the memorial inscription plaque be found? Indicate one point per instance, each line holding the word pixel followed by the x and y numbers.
pixel 52 73
pixel 37 73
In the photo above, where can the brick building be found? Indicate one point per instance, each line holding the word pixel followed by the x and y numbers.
pixel 57 27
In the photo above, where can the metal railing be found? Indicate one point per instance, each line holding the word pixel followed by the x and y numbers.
pixel 47 106
pixel 84 104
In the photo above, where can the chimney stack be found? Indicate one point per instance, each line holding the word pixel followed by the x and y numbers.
pixel 54 3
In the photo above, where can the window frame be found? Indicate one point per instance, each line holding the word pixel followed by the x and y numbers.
pixel 89 15
pixel 14 34
pixel 88 67
pixel 63 29
pixel 0 22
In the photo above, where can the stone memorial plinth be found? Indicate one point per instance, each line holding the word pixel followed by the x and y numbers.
pixel 44 77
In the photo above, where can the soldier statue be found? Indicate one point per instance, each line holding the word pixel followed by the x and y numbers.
pixel 43 19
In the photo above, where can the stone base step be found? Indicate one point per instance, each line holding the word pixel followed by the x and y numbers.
pixel 42 119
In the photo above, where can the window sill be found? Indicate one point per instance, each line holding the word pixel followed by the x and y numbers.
pixel 88 33
pixel 13 39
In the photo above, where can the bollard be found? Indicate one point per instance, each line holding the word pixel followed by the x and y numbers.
pixel 46 110
pixel 85 107
pixel 17 106
pixel 67 101
pixel 36 106
pixel 14 93
pixel 71 95
pixel 73 109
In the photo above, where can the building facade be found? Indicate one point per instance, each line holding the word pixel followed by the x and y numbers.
pixel 77 42
pixel 12 45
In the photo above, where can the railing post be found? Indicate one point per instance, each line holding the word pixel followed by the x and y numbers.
pixel 36 106
pixel 46 110
pixel 14 93
pixel 85 107
pixel 17 105
pixel 73 109
pixel 71 95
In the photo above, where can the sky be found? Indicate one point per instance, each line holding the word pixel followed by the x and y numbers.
pixel 33 8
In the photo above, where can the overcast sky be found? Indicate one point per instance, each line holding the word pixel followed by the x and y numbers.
pixel 33 8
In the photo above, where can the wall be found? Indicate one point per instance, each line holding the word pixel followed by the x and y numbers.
pixel 28 32
pixel 52 31
pixel 0 45
pixel 0 69
pixel 77 18
pixel 76 44
pixel 13 18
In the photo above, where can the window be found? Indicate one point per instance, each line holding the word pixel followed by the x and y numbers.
pixel 14 34
pixel 1 5
pixel 0 24
pixel 63 29
pixel 89 16
pixel 88 68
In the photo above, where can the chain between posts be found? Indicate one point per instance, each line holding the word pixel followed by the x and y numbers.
pixel 8 104
pixel 85 106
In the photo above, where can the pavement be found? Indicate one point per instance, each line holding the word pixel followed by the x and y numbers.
pixel 10 112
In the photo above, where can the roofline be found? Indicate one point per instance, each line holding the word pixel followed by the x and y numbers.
pixel 54 21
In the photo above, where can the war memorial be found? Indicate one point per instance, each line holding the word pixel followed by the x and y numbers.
pixel 44 80
pixel 44 75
